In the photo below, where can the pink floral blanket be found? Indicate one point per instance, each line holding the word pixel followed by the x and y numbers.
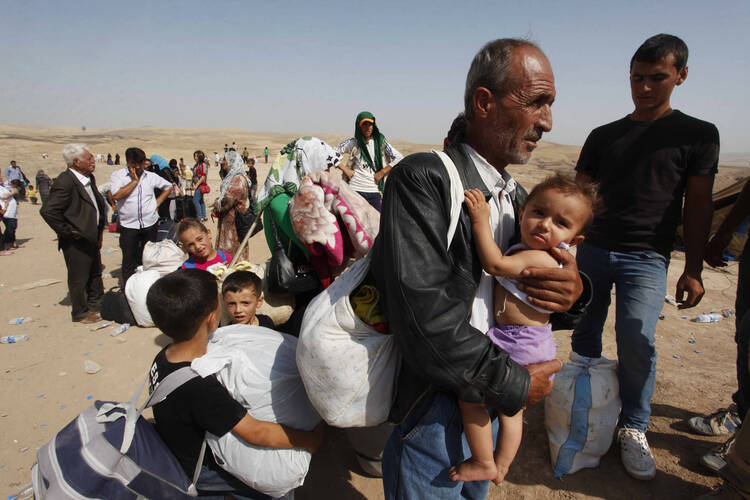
pixel 323 202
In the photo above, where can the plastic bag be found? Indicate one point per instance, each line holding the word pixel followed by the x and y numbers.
pixel 136 290
pixel 347 366
pixel 582 412
pixel 257 366
pixel 163 256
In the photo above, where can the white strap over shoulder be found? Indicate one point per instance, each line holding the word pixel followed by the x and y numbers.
pixel 457 194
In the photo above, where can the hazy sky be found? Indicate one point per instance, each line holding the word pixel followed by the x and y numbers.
pixel 305 67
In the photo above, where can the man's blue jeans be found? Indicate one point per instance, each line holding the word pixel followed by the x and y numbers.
pixel 640 280
pixel 420 451
pixel 742 334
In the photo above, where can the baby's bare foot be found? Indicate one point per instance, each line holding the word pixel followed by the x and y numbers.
pixel 502 470
pixel 473 470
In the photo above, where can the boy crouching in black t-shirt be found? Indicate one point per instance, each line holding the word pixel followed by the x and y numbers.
pixel 185 306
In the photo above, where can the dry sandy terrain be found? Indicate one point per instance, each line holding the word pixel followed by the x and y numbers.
pixel 43 384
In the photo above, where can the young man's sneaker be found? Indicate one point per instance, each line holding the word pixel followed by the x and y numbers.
pixel 721 423
pixel 717 458
pixel 635 453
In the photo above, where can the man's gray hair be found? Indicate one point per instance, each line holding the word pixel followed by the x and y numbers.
pixel 73 151
pixel 489 69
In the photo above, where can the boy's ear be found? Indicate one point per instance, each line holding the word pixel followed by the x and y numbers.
pixel 577 240
pixel 260 300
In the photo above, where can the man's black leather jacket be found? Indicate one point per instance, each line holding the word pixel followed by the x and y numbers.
pixel 427 291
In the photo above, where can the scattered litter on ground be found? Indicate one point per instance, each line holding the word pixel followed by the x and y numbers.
pixel 708 318
pixel 698 352
pixel 662 316
pixel 727 313
pixel 100 326
pixel 670 299
pixel 106 275
pixel 36 284
pixel 24 449
pixel 19 321
pixel 120 329
pixel 691 341
pixel 89 396
pixel 91 367
pixel 676 356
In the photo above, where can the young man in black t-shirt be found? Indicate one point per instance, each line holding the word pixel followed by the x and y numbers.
pixel 185 306
pixel 643 164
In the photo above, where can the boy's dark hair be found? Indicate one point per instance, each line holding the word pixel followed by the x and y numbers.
pixel 201 156
pixel 570 187
pixel 190 223
pixel 181 300
pixel 242 280
pixel 659 46
pixel 135 155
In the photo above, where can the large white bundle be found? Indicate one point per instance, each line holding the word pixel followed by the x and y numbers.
pixel 136 289
pixel 163 256
pixel 581 413
pixel 257 366
pixel 348 367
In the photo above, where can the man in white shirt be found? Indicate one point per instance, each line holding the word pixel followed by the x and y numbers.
pixel 75 211
pixel 133 190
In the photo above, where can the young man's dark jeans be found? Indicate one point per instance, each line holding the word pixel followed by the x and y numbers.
pixel 132 242
pixel 742 335
pixel 10 231
pixel 373 199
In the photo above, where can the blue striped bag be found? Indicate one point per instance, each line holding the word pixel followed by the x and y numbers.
pixel 581 413
pixel 110 452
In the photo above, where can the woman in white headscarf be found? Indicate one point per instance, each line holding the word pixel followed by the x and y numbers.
pixel 232 197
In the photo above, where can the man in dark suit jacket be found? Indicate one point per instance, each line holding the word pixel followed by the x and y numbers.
pixel 75 211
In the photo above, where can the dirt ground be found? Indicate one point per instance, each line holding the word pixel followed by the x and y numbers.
pixel 43 384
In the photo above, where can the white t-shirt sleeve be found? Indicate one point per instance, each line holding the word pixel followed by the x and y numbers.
pixel 160 182
pixel 392 155
pixel 347 145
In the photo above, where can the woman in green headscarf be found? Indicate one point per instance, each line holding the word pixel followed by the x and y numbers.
pixel 370 159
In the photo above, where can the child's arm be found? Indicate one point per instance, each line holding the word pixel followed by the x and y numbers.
pixel 271 435
pixel 492 258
